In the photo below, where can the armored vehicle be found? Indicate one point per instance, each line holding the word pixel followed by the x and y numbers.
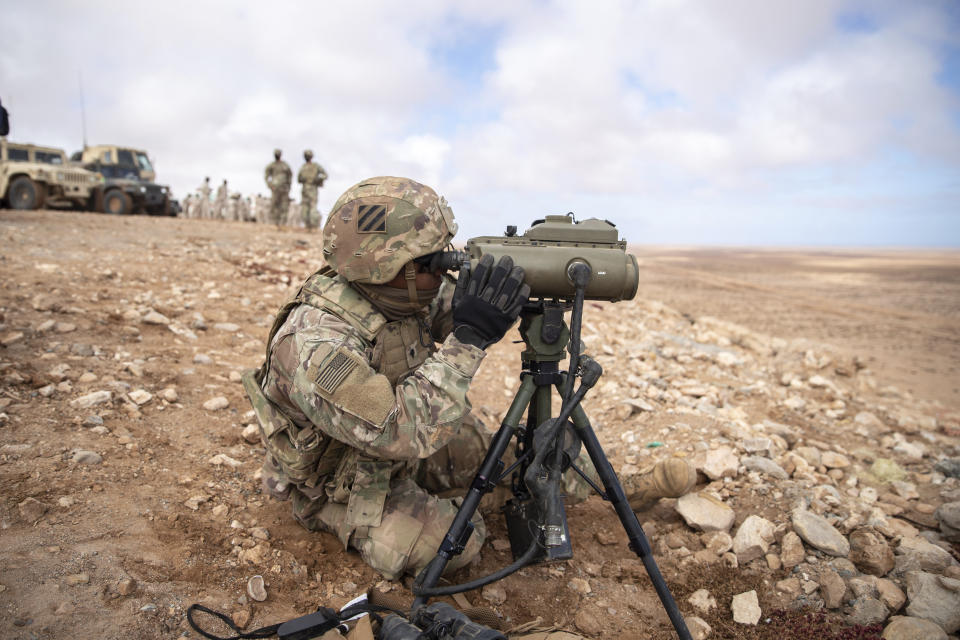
pixel 130 178
pixel 32 177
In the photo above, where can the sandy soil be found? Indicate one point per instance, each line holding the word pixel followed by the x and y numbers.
pixel 121 547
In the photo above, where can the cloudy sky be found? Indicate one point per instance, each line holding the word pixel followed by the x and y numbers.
pixel 742 122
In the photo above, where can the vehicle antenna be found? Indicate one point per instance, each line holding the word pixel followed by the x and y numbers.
pixel 83 111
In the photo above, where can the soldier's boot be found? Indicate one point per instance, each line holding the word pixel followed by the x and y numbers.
pixel 670 478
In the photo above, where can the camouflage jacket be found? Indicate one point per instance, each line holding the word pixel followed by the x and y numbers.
pixel 278 175
pixel 311 175
pixel 383 388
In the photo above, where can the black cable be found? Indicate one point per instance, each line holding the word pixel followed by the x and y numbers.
pixel 262 632
pixel 518 564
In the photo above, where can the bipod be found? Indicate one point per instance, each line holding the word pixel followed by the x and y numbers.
pixel 546 447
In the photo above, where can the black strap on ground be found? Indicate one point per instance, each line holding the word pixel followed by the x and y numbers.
pixel 262 632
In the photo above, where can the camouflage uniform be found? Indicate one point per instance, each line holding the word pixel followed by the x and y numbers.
pixel 220 204
pixel 278 176
pixel 311 176
pixel 364 419
pixel 204 209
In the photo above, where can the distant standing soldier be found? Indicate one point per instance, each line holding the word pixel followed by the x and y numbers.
pixel 187 209
pixel 311 176
pixel 279 177
pixel 204 211
pixel 220 205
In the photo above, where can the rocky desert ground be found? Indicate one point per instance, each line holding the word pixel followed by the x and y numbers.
pixel 816 392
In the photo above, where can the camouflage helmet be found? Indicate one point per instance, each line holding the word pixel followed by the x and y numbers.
pixel 379 225
pixel 308 154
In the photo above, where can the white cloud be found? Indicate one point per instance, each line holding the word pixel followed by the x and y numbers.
pixel 682 105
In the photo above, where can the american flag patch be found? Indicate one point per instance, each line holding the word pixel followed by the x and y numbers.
pixel 372 218
pixel 335 372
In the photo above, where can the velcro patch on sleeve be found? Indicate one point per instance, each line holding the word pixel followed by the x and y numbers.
pixel 335 371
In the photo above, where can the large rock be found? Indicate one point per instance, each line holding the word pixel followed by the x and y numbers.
pixel 753 539
pixel 791 550
pixel 91 399
pixel 870 552
pixel 934 598
pixel 832 588
pixel 765 466
pixel 929 556
pixel 704 512
pixel 721 463
pixel 818 532
pixel 867 610
pixel 949 467
pixel 948 514
pixel 746 608
pixel 908 628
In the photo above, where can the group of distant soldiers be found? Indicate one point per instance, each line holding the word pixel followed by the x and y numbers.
pixel 277 209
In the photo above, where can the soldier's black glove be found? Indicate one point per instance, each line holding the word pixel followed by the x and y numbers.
pixel 487 300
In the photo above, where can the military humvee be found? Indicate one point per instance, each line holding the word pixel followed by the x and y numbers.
pixel 32 177
pixel 116 164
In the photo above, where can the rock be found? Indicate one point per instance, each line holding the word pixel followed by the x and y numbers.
pixel 256 588
pixel 226 326
pixel 65 327
pixel 91 399
pixel 11 338
pixel 194 502
pixel 912 451
pixel 746 608
pixel 494 594
pixel 260 533
pixel 718 542
pixel 220 510
pixel 721 463
pixel 215 404
pixel 223 460
pixel 169 394
pixel 934 598
pixel 765 466
pixel 698 628
pixel 791 550
pixel 256 555
pixel 870 552
pixel 753 539
pixel 930 556
pixel 31 510
pixel 154 317
pixel 588 622
pixel 906 490
pixel 126 586
pixel 181 331
pixel 890 594
pixel 47 390
pixel 810 454
pixel 757 445
pixel 948 514
pixel 909 628
pixel 87 376
pixel 77 578
pixel 832 588
pixel 93 421
pixel 818 532
pixel 140 396
pixel 832 460
pixel 789 586
pixel 886 470
pixel 580 585
pixel 949 467
pixel 82 456
pixel 867 610
pixel 66 502
pixel 702 601
pixel 202 358
pixel 704 512
pixel 251 433
pixel 44 302
pixel 241 617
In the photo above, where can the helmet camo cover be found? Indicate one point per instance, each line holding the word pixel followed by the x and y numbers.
pixel 379 225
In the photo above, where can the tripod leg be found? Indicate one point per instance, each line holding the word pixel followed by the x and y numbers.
pixel 453 541
pixel 638 540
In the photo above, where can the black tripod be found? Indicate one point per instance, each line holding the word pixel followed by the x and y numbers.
pixel 546 447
